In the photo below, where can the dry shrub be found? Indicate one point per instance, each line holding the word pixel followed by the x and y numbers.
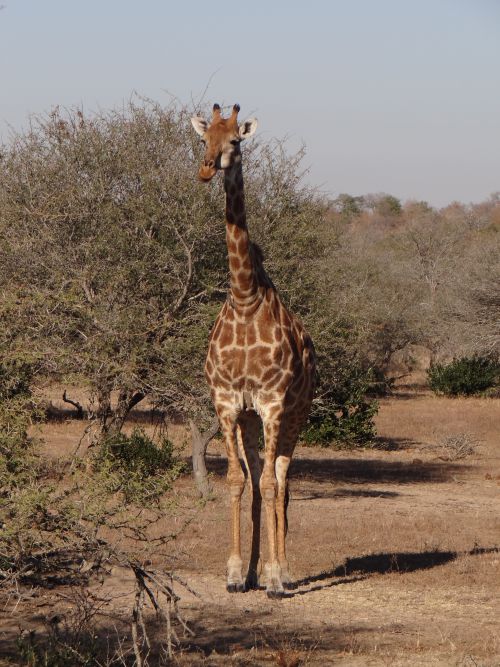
pixel 459 446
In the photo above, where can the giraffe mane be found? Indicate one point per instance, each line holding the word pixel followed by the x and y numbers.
pixel 258 264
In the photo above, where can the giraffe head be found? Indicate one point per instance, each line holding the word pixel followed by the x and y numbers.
pixel 222 139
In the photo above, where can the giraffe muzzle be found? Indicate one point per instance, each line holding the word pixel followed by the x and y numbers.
pixel 207 171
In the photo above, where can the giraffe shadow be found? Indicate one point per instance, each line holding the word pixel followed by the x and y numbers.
pixel 360 471
pixel 364 567
pixel 322 494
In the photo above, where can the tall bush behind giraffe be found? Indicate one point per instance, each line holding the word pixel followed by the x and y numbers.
pixel 112 262
pixel 103 253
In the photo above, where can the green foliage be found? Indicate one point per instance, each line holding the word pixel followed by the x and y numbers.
pixel 15 379
pixel 342 428
pixel 17 409
pixel 383 205
pixel 23 498
pixel 138 452
pixel 136 467
pixel 465 376
pixel 389 206
pixel 342 415
pixel 349 207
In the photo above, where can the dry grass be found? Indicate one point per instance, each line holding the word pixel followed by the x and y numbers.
pixel 427 419
pixel 394 550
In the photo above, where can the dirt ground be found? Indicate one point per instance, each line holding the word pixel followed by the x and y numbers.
pixel 395 551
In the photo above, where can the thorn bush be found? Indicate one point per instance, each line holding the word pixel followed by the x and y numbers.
pixel 465 376
pixel 341 414
pixel 136 467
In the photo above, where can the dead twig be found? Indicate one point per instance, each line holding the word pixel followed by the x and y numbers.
pixel 144 578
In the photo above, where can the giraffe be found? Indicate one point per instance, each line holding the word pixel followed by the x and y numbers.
pixel 260 365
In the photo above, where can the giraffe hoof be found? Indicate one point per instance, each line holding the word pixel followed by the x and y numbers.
pixel 235 588
pixel 252 582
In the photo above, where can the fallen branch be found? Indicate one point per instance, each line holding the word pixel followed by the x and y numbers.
pixel 75 404
pixel 143 580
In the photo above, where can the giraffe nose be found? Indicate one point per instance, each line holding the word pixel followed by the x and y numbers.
pixel 209 163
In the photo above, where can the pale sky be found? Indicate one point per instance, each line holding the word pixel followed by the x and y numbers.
pixel 397 96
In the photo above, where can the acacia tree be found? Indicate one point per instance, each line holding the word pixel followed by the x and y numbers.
pixel 113 258
pixel 109 254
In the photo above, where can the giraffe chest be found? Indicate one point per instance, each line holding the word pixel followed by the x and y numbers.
pixel 249 357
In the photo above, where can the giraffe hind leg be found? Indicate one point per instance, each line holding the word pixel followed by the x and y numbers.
pixel 249 429
pixel 287 441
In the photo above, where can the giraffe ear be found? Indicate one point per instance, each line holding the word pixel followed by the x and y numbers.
pixel 200 125
pixel 248 128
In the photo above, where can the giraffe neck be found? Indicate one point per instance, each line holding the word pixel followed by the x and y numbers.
pixel 243 278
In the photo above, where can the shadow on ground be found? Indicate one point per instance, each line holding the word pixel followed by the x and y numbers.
pixel 321 494
pixel 359 471
pixel 393 444
pixel 105 639
pixel 145 417
pixel 227 632
pixel 410 391
pixel 262 633
pixel 374 470
pixel 218 632
pixel 362 567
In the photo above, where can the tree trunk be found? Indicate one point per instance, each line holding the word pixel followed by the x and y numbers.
pixel 200 442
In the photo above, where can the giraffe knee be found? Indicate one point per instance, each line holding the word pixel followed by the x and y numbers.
pixel 236 482
pixel 235 474
pixel 268 487
pixel 236 490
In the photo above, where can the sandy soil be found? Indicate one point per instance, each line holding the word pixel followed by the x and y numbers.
pixel 394 551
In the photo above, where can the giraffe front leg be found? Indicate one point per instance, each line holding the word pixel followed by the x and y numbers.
pixel 236 483
pixel 268 488
pixel 235 581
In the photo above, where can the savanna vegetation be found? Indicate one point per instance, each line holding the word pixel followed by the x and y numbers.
pixel 112 269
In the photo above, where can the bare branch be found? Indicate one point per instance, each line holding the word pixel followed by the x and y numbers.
pixel 76 404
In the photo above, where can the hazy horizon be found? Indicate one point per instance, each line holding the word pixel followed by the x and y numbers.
pixel 394 96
